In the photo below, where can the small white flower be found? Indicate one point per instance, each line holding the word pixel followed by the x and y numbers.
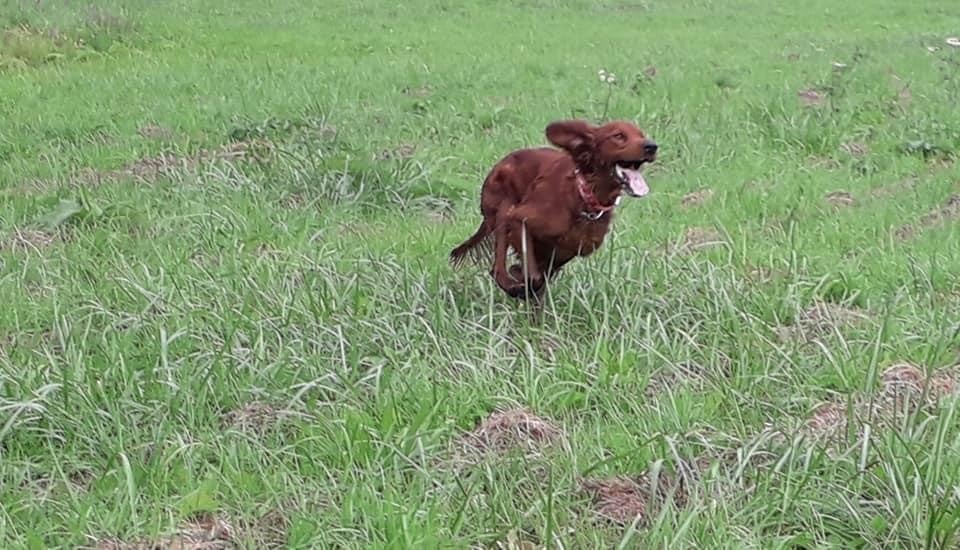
pixel 606 77
pixel 932 49
pixel 954 41
pixel 839 66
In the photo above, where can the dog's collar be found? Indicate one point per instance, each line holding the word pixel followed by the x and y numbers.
pixel 594 210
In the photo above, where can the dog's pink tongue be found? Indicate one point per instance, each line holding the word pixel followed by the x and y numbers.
pixel 638 185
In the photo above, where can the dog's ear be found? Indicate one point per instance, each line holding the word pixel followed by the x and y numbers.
pixel 575 136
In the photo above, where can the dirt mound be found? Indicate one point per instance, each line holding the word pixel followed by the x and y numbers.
pixel 623 499
pixel 509 429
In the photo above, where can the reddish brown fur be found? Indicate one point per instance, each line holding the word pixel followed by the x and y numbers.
pixel 530 202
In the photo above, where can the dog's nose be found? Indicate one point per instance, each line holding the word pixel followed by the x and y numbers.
pixel 649 147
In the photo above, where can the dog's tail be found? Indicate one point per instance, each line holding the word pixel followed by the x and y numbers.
pixel 478 245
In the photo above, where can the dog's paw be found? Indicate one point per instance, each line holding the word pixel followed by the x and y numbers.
pixel 523 291
pixel 518 292
pixel 513 284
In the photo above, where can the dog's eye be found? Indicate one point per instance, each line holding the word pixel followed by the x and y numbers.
pixel 620 136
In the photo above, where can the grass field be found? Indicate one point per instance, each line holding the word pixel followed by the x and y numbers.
pixel 228 314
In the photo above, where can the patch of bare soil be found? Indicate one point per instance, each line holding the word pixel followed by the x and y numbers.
pixel 819 319
pixel 765 274
pixel 294 201
pixel 828 314
pixel 270 530
pixel 855 148
pixel 401 152
pixel 821 163
pixel 27 240
pixel 939 163
pixel 510 429
pixel 515 541
pixel 256 417
pixel 760 274
pixel 437 216
pixel 893 189
pixel 360 229
pixel 687 374
pixel 696 198
pixel 811 98
pixel 149 169
pixel 623 499
pixel 697 238
pixel 25 187
pixel 839 198
pixel 759 451
pixel 419 91
pixel 42 486
pixel 154 131
pixel 950 211
pixel 904 97
pixel 204 533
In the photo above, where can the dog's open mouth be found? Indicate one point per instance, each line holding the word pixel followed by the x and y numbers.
pixel 630 174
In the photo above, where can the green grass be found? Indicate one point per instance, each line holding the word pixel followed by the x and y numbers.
pixel 144 315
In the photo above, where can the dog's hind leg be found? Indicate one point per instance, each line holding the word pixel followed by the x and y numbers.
pixel 499 268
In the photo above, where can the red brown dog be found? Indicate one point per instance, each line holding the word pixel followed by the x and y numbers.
pixel 552 205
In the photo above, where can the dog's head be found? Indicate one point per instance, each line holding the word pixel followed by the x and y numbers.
pixel 618 148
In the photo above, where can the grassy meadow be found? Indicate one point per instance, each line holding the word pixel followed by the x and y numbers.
pixel 229 318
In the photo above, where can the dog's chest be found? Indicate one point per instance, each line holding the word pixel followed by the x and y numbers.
pixel 584 238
